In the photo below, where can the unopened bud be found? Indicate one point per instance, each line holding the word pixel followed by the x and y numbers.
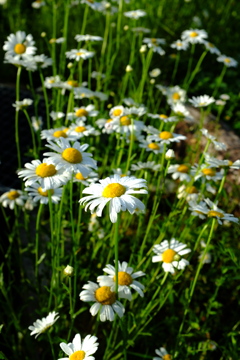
pixel 169 154
pixel 129 68
pixel 68 271
pixel 143 49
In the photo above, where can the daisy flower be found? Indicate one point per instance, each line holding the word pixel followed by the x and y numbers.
pixel 57 115
pixel 38 194
pixel 57 133
pixel 118 192
pixel 211 47
pixel 206 172
pixel 80 349
pixel 154 41
pixel 126 280
pixel 91 178
pixel 80 129
pixel 117 111
pixel 105 125
pixel 194 36
pixel 37 123
pixel 72 158
pixel 149 165
pixel 180 45
pixel 164 355
pixel 163 117
pixel 213 162
pixel 104 301
pixel 38 4
pixel 88 38
pixel 181 110
pixel 165 137
pixel 180 172
pixel 43 173
pixel 201 101
pixel 155 72
pixel 126 125
pixel 218 145
pixel 227 61
pixel 40 326
pixel 135 14
pixel 119 172
pixel 13 197
pixel 136 110
pixel 23 104
pixel 83 112
pixel 19 45
pixel 53 82
pixel 190 193
pixel 209 209
pixel 78 54
pixel 175 95
pixel 149 145
pixel 170 254
pixel 42 61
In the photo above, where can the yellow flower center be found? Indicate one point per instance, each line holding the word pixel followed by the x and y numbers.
pixel 45 193
pixel 113 190
pixel 123 175
pixel 19 49
pixel 154 41
pixel 176 96
pixel 168 255
pixel 163 116
pixel 230 163
pixel 81 112
pixel 109 120
pixel 73 83
pixel 117 112
pixel 183 168
pixel 80 53
pixel 60 133
pixel 80 129
pixel 199 212
pixel 211 45
pixel 124 278
pixel 79 176
pixel 179 43
pixel 165 135
pixel 72 155
pixel 153 146
pixel 77 355
pixel 209 172
pixel 193 34
pixel 44 170
pixel 227 60
pixel 167 357
pixel 213 213
pixel 191 190
pixel 105 296
pixel 13 194
pixel 124 121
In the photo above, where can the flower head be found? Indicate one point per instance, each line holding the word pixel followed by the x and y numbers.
pixel 164 355
pixel 19 45
pixel 104 301
pixel 170 254
pixel 12 198
pixel 80 349
pixel 201 101
pixel 126 280
pixel 40 326
pixel 118 192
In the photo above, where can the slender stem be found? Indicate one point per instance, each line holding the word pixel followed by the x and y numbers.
pixel 45 98
pixel 175 67
pixel 197 69
pixel 17 116
pixel 37 238
pixel 220 79
pixel 116 252
pixel 35 154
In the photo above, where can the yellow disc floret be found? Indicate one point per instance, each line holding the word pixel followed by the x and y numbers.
pixel 191 190
pixel 13 194
pixel 167 357
pixel 117 112
pixel 153 146
pixel 124 278
pixel 124 121
pixel 19 49
pixel 183 168
pixel 44 170
pixel 163 116
pixel 193 34
pixel 80 129
pixel 209 172
pixel 176 96
pixel 168 256
pixel 72 155
pixel 81 112
pixel 165 135
pixel 60 133
pixel 213 213
pixel 79 176
pixel 77 355
pixel 227 60
pixel 72 83
pixel 45 193
pixel 105 296
pixel 113 190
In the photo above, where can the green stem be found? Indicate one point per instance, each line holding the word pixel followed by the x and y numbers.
pixel 116 230
pixel 35 154
pixel 17 116
pixel 45 98
pixel 220 79
pixel 197 69
pixel 37 238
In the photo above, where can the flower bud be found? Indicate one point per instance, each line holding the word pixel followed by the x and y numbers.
pixel 169 154
pixel 68 271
